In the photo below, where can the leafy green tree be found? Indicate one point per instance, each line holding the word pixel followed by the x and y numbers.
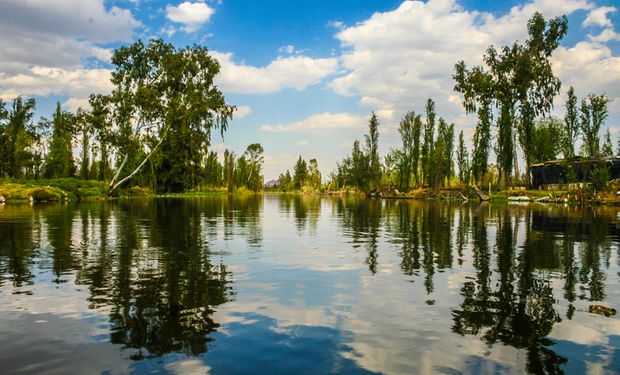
pixel 441 156
pixel 462 158
pixel 300 173
pixel 593 115
pixel 521 84
pixel 59 161
pixel 359 174
pixel 372 150
pixel 255 159
pixel 608 148
pixel 84 128
pixel 286 181
pixel 18 138
pixel 213 170
pixel 415 153
pixel 478 91
pixel 405 162
pixel 427 145
pixel 314 175
pixel 229 170
pixel 100 122
pixel 546 135
pixel 571 125
pixel 164 95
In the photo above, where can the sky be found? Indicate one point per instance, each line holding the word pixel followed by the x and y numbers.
pixel 305 75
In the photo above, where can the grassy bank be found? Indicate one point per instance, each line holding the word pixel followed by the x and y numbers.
pixel 50 190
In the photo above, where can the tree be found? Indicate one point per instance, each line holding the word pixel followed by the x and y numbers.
pixel 59 161
pixel 162 92
pixel 405 162
pixel 593 115
pixel 478 91
pixel 300 173
pixel 314 175
pixel 608 148
pixel 229 170
pixel 462 158
pixel 254 156
pixel 84 127
pixel 415 153
pixel 213 170
pixel 521 84
pixel 546 146
pixel 99 119
pixel 18 138
pixel 427 145
pixel 571 125
pixel 372 150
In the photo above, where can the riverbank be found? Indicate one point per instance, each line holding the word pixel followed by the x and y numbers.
pixel 52 190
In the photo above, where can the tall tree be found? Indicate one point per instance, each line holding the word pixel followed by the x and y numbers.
pixel 100 122
pixel 300 173
pixel 84 127
pixel 429 140
pixel 59 161
pixel 415 153
pixel 19 136
pixel 570 125
pixel 593 115
pixel 372 150
pixel 462 158
pixel 406 129
pixel 160 91
pixel 254 156
pixel 478 91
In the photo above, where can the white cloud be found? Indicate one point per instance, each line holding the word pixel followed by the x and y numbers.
pixel 242 111
pixel 297 72
pixel 44 44
pixel 598 17
pixel 191 15
pixel 395 60
pixel 39 80
pixel 320 122
pixel 303 143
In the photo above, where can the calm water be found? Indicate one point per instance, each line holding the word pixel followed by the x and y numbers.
pixel 280 284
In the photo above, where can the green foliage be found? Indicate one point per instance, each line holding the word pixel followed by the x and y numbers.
pixel 462 158
pixel 165 97
pixel 372 152
pixel 571 125
pixel 59 161
pixel 545 144
pixel 427 145
pixel 18 139
pixel 300 173
pixel 593 115
pixel 521 84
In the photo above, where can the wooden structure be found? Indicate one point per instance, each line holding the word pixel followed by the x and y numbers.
pixel 577 170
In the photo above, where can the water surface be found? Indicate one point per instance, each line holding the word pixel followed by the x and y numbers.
pixel 291 284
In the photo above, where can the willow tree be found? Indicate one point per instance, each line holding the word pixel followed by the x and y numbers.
pixel 161 92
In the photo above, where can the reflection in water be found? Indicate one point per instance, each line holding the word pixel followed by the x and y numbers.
pixel 183 277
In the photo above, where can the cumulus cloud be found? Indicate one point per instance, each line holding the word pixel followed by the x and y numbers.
pixel 43 81
pixel 191 15
pixel 242 111
pixel 395 60
pixel 319 123
pixel 598 17
pixel 297 72
pixel 44 44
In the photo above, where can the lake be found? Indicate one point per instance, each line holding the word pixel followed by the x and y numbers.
pixel 292 284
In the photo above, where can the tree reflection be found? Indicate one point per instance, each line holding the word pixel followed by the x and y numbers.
pixel 362 219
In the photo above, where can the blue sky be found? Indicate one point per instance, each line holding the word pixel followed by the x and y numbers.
pixel 305 75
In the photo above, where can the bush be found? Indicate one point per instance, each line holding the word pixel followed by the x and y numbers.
pixel 44 194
